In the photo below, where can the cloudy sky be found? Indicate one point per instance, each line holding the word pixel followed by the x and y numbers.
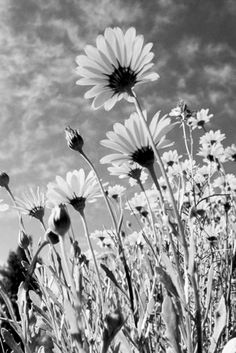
pixel 194 46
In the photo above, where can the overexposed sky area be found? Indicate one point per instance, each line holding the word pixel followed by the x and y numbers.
pixel 194 46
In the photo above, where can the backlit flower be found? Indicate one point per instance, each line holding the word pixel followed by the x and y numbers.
pixel 200 119
pixel 32 203
pixel 115 191
pixel 59 220
pixel 117 63
pixel 230 153
pixel 211 138
pixel 132 143
pixel 129 170
pixel 74 139
pixel 170 158
pixel 75 190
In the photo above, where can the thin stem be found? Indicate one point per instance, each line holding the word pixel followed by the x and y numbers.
pixel 35 258
pixel 156 153
pixel 102 189
pixel 67 269
pixel 93 256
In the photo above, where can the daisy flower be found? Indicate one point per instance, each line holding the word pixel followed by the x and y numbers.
pixel 32 203
pixel 75 190
pixel 117 63
pixel 200 119
pixel 181 111
pixel 213 153
pixel 132 143
pixel 231 153
pixel 115 191
pixel 226 183
pixel 105 238
pixel 132 171
pixel 170 158
pixel 211 138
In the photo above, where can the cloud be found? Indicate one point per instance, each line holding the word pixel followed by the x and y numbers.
pixel 188 48
pixel 220 75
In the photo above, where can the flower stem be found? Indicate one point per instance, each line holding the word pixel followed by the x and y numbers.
pixel 94 258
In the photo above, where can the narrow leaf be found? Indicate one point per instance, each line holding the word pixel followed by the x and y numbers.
pixel 220 322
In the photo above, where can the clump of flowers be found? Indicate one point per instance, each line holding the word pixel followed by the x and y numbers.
pixel 159 274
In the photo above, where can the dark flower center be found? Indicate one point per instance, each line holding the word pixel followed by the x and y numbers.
pixel 135 173
pixel 144 156
pixel 122 79
pixel 201 123
pixel 78 203
pixel 170 163
pixel 37 212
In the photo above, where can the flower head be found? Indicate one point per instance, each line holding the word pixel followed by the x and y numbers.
pixel 74 139
pixel 115 191
pixel 76 190
pixel 117 63
pixel 132 143
pixel 129 170
pixel 200 119
pixel 212 138
pixel 32 203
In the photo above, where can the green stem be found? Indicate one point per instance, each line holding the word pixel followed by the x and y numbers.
pixel 94 258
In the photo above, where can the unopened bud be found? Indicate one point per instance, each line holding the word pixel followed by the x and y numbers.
pixel 59 220
pixel 113 323
pixel 52 237
pixel 23 240
pixel 74 139
pixel 4 179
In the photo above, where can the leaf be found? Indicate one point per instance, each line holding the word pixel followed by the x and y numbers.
pixel 230 346
pixel 167 281
pixel 22 306
pixel 173 274
pixel 220 322
pixel 10 309
pixel 111 276
pixel 172 323
pixel 209 288
pixel 9 339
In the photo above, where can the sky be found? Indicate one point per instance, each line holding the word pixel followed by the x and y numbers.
pixel 195 52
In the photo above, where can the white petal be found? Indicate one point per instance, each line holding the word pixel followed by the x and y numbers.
pixel 94 91
pixel 129 42
pixel 101 99
pixel 114 158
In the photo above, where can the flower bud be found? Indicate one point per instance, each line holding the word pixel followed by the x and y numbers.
pixel 52 237
pixel 23 240
pixel 59 220
pixel 4 179
pixel 74 139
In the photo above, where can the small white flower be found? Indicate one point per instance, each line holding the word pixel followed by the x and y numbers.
pixel 200 119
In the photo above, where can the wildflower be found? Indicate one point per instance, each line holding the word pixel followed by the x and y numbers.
pixel 32 204
pixel 4 179
pixel 200 119
pixel 117 63
pixel 74 139
pixel 170 158
pixel 131 170
pixel 75 190
pixel 138 203
pixel 181 111
pixel 212 138
pixel 226 182
pixel 116 191
pixel 132 143
pixel 230 153
pixel 213 153
pixel 59 220
pixel 105 238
